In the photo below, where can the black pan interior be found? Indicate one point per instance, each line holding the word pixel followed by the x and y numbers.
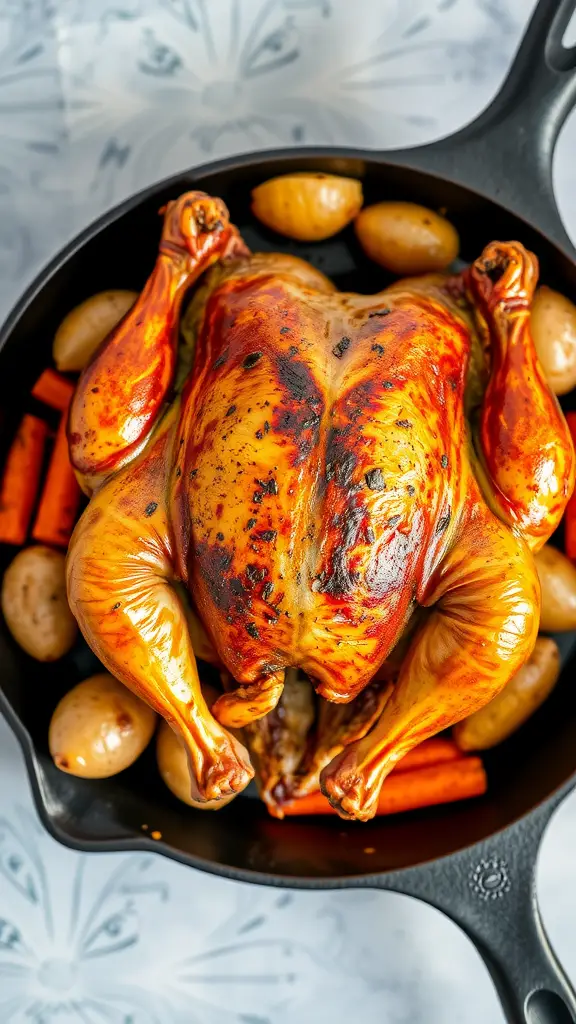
pixel 242 840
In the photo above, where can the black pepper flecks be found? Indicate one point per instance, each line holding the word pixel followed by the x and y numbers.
pixel 444 462
pixel 231 410
pixel 192 473
pixel 251 360
pixel 268 486
pixel 267 590
pixel 178 472
pixel 378 348
pixel 252 630
pixel 116 606
pixel 404 423
pixel 266 426
pixel 375 480
pixel 292 351
pixel 255 573
pixel 221 360
pixel 443 523
pixel 387 384
pixel 411 490
pixel 151 508
pixel 259 435
pixel 341 347
pixel 220 536
pixel 251 524
pixel 267 535
pixel 285 330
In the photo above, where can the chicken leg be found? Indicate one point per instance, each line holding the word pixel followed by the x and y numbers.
pixel 481 630
pixel 119 588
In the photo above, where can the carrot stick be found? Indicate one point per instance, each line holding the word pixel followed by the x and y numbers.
pixel 20 480
pixel 570 513
pixel 60 499
pixel 434 751
pixel 407 791
pixel 54 390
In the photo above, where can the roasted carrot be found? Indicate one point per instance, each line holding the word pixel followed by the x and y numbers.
pixel 570 513
pixel 435 751
pixel 54 390
pixel 410 790
pixel 20 480
pixel 60 497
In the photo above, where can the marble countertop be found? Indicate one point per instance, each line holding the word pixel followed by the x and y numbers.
pixel 97 99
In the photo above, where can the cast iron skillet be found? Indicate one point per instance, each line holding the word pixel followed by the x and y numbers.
pixel 474 861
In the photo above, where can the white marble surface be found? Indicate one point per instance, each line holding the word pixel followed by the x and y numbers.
pixel 97 99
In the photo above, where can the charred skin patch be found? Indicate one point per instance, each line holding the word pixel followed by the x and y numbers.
pixel 299 416
pixel 224 587
pixel 341 577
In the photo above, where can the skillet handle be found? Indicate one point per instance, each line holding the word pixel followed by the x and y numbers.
pixel 489 891
pixel 506 152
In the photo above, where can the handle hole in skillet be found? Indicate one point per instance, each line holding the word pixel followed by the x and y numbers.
pixel 545 1007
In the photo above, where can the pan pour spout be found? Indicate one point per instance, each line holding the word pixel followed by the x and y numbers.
pixel 334 471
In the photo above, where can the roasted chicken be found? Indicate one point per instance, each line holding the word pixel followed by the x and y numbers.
pixel 308 473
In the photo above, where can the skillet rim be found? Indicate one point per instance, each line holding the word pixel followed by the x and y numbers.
pixel 398 159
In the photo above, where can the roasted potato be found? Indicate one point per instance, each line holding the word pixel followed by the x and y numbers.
pixel 82 330
pixel 553 324
pixel 34 603
pixel 99 728
pixel 172 761
pixel 406 238
pixel 558 582
pixel 308 206
pixel 519 699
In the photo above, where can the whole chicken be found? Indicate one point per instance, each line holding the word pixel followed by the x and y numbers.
pixel 310 471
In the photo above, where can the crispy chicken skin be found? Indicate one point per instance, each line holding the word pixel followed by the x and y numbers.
pixel 331 464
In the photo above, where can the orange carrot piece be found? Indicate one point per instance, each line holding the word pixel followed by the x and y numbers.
pixel 54 390
pixel 408 791
pixel 570 513
pixel 435 751
pixel 60 499
pixel 21 479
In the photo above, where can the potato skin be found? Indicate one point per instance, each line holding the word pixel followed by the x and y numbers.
pixel 35 605
pixel 308 206
pixel 85 326
pixel 519 699
pixel 406 238
pixel 99 728
pixel 557 577
pixel 553 326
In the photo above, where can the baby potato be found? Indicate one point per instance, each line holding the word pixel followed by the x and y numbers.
pixel 558 582
pixel 82 330
pixel 406 238
pixel 553 324
pixel 173 765
pixel 99 728
pixel 35 605
pixel 306 205
pixel 519 699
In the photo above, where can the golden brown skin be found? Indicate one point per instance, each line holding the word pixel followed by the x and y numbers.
pixel 315 484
